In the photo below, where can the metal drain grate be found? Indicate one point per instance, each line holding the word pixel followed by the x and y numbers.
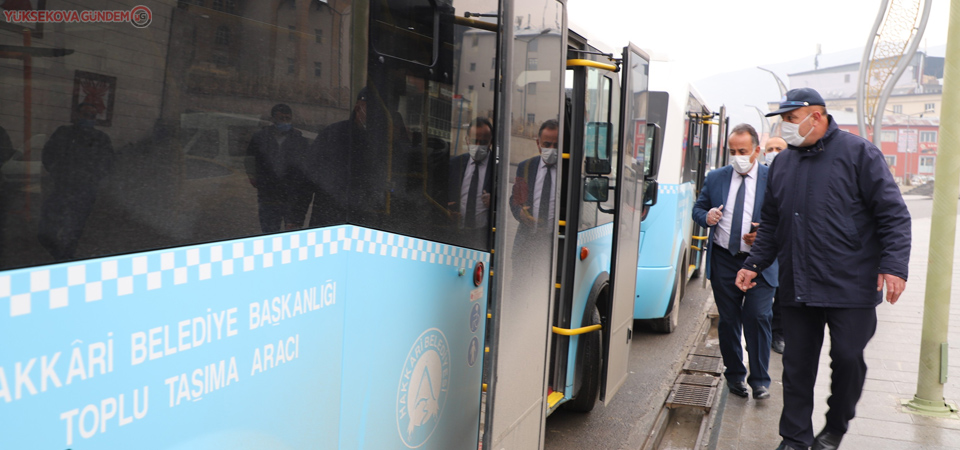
pixel 703 350
pixel 698 380
pixel 705 364
pixel 691 396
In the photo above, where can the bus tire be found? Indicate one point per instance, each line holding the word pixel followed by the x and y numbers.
pixel 586 398
pixel 668 323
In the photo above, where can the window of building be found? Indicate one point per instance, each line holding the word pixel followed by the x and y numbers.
pixel 531 63
pixel 928 136
pixel 929 107
pixel 888 136
pixel 473 67
pixel 317 69
pixel 221 59
pixel 493 63
pixel 531 118
pixel 846 78
pixel 291 66
pixel 891 160
pixel 927 164
pixel 470 88
pixel 476 40
pixel 291 32
pixel 319 35
pixel 532 89
pixel 491 84
pixel 225 5
pixel 532 46
pixel 898 109
pixel 223 35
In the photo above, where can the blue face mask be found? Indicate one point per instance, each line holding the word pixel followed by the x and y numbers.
pixel 283 127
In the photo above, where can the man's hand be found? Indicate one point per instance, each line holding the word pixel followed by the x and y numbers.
pixel 714 215
pixel 749 238
pixel 895 286
pixel 485 198
pixel 745 279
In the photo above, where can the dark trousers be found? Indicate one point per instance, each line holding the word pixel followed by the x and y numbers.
pixel 777 321
pixel 850 330
pixel 747 311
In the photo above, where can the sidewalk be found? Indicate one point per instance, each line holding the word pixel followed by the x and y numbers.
pixel 892 358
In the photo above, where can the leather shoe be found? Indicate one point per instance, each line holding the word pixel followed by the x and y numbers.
pixel 777 345
pixel 761 393
pixel 784 446
pixel 827 441
pixel 738 388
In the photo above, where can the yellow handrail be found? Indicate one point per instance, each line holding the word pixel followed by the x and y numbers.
pixel 700 238
pixel 576 331
pixel 588 63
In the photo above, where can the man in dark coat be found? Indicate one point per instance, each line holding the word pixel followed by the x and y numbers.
pixel 275 156
pixel 836 222
pixel 78 157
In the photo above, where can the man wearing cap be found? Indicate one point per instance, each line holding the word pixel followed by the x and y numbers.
pixel 837 224
pixel 729 204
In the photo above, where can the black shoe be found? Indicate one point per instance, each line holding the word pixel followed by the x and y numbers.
pixel 827 441
pixel 761 393
pixel 784 446
pixel 739 388
pixel 777 345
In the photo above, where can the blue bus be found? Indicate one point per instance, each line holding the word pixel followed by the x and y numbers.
pixel 314 224
pixel 672 245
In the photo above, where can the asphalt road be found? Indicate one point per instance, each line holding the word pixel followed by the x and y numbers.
pixel 653 365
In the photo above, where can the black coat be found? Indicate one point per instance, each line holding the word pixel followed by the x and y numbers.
pixel 834 219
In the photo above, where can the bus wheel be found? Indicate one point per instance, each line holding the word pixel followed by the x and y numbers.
pixel 586 398
pixel 669 322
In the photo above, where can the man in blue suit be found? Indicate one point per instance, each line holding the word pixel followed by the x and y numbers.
pixel 729 205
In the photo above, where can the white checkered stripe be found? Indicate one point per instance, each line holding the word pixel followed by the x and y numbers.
pixel 588 236
pixel 54 287
pixel 666 189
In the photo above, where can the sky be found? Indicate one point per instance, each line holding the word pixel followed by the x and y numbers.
pixel 719 44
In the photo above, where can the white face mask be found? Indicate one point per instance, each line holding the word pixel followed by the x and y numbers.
pixel 769 157
pixel 741 163
pixel 479 152
pixel 790 132
pixel 549 156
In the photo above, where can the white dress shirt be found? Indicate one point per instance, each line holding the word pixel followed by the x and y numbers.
pixel 542 171
pixel 465 190
pixel 721 235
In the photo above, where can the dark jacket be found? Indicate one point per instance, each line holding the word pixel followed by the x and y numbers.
pixel 714 193
pixel 458 170
pixel 78 157
pixel 835 219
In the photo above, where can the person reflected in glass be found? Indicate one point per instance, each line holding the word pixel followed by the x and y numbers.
pixel 471 178
pixel 77 157
pixel 330 157
pixel 533 200
pixel 274 156
pixel 774 146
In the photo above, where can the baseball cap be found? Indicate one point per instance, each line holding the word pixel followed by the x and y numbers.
pixel 798 98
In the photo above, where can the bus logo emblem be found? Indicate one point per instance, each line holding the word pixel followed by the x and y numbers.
pixel 422 392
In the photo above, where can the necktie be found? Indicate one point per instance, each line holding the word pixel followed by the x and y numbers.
pixel 736 228
pixel 543 214
pixel 470 220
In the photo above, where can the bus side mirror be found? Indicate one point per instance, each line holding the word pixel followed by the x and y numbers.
pixel 596 189
pixel 650 191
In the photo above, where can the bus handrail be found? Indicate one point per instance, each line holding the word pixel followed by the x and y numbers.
pixel 588 63
pixel 576 331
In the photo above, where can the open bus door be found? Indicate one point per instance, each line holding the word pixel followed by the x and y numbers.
pixel 629 207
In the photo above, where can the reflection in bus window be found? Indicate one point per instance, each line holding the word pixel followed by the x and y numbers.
pixel 170 135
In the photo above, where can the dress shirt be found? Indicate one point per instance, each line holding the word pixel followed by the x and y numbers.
pixel 542 171
pixel 465 189
pixel 721 236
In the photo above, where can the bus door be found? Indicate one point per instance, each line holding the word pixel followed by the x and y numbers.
pixel 581 302
pixel 629 206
